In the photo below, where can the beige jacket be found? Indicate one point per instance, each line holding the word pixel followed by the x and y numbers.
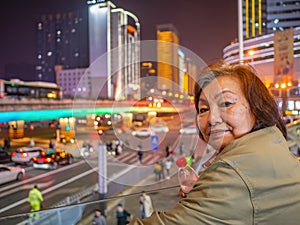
pixel 254 180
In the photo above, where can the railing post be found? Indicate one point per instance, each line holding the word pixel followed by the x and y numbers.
pixel 102 174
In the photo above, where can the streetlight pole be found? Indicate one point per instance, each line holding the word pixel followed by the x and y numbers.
pixel 240 31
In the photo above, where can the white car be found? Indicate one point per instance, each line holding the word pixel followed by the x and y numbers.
pixel 25 155
pixel 159 128
pixel 10 173
pixel 145 132
pixel 189 130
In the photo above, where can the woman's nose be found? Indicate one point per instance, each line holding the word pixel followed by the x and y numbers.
pixel 214 116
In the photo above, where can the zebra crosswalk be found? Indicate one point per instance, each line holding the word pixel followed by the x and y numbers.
pixel 131 157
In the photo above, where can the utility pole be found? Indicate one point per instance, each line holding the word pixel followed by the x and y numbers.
pixel 102 175
pixel 240 31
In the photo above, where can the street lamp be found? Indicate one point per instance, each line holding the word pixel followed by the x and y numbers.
pixel 283 88
pixel 251 54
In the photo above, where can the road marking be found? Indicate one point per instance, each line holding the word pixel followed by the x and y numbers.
pixel 15 204
pixel 41 176
pixel 112 178
pixel 27 186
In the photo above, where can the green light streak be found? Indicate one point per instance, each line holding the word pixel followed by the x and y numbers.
pixel 37 115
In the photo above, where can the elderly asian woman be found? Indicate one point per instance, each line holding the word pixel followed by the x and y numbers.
pixel 254 178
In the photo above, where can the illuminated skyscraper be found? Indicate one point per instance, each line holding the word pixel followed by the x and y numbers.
pixel 114 36
pixel 267 16
pixel 167 57
pixel 61 39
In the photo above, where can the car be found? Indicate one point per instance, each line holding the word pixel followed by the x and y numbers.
pixel 10 173
pixel 5 157
pixel 25 155
pixel 86 149
pixel 51 158
pixel 145 132
pixel 159 128
pixel 189 130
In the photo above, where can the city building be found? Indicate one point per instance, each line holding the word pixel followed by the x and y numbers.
pixel 61 39
pixel 101 44
pixel 262 53
pixel 114 36
pixel 74 82
pixel 148 79
pixel 262 17
pixel 167 58
pixel 271 31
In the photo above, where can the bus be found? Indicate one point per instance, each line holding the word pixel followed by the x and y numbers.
pixel 37 90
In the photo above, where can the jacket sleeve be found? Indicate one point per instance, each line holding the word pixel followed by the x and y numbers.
pixel 220 196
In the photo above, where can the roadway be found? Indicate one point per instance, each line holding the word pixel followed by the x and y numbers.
pixel 122 170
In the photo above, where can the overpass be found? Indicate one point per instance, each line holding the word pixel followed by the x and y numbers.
pixel 50 109
pixel 17 111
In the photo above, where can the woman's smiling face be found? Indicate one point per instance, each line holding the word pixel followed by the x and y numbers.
pixel 224 112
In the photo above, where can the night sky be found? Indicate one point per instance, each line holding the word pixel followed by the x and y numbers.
pixel 205 27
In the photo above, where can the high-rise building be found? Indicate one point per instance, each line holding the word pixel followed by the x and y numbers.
pixel 74 82
pixel 267 16
pixel 114 36
pixel 167 57
pixel 61 39
pixel 101 43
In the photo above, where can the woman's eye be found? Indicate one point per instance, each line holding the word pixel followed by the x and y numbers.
pixel 226 104
pixel 203 110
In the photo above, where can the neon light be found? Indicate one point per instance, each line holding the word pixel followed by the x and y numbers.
pixel 253 18
pixel 259 18
pixel 36 115
pixel 247 19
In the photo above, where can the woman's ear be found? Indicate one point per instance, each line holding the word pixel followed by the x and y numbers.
pixel 198 128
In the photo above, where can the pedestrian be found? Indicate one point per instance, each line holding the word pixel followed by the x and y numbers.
pixel 52 143
pixel 123 217
pixel 168 166
pixel 157 171
pixel 244 183
pixel 140 156
pixel 146 205
pixel 7 144
pixel 31 142
pixel 98 219
pixel 181 148
pixel 162 169
pixel 35 200
pixel 167 151
pixel 119 149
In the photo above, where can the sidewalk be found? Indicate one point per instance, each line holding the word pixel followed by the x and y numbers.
pixel 163 197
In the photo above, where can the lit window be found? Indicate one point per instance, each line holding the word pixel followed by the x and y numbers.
pixel 40 26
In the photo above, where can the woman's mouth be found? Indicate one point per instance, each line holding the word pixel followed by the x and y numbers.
pixel 217 133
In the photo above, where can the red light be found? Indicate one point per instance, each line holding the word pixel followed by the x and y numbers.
pixel 14 154
pixel 34 159
pixel 43 153
pixel 24 154
pixel 21 150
